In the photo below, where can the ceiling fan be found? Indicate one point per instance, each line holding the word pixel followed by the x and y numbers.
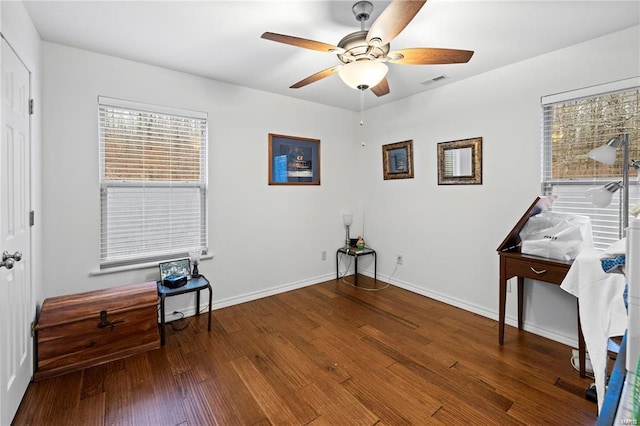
pixel 363 53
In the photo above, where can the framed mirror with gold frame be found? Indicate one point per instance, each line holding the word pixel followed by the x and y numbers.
pixel 460 162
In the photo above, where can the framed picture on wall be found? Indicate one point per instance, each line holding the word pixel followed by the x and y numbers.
pixel 397 160
pixel 293 160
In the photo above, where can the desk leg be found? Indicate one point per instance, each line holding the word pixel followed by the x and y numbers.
pixel 198 302
pixel 162 320
pixel 210 299
pixel 501 308
pixel 582 356
pixel 337 266
pixel 520 303
pixel 502 302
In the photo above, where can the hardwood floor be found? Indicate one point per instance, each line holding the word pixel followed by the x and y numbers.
pixel 327 354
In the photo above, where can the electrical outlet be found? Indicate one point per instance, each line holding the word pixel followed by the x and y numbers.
pixel 508 286
pixel 323 255
pixel 399 259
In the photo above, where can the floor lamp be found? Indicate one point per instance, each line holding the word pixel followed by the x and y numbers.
pixel 606 154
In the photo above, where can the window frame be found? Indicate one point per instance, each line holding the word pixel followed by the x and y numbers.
pixel 108 186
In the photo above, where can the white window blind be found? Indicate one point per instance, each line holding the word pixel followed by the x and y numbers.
pixel 153 182
pixel 572 127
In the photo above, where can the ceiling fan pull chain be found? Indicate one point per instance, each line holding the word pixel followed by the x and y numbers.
pixel 362 117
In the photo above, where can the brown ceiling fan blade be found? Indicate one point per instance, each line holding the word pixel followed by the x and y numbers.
pixel 393 20
pixel 315 77
pixel 429 56
pixel 381 88
pixel 302 42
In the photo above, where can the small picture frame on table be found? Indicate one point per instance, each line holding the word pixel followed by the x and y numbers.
pixel 175 267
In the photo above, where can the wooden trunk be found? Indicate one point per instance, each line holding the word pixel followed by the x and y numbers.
pixel 86 329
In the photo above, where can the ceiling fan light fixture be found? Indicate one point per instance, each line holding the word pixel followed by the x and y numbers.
pixel 363 74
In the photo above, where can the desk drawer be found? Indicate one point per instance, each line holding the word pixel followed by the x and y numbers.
pixel 538 270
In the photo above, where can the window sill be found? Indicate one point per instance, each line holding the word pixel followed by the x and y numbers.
pixel 137 266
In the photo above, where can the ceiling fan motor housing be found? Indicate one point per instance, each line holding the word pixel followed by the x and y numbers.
pixel 356 48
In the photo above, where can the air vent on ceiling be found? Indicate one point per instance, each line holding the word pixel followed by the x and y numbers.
pixel 434 80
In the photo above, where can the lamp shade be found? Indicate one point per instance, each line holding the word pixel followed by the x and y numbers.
pixel 601 196
pixel 363 74
pixel 606 153
pixel 347 218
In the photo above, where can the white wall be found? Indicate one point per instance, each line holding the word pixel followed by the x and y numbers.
pixel 268 239
pixel 18 30
pixel 449 234
pixel 264 238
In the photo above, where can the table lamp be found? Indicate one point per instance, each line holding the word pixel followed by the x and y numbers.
pixel 195 255
pixel 347 218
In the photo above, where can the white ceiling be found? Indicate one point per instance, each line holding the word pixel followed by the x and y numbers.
pixel 221 39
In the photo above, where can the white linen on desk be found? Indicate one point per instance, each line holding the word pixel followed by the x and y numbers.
pixel 602 312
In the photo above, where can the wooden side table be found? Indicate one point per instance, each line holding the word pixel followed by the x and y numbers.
pixel 194 284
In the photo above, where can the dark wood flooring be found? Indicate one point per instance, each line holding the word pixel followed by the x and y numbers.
pixel 327 354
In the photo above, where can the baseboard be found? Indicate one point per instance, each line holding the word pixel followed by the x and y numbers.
pixel 247 297
pixel 476 309
pixel 462 304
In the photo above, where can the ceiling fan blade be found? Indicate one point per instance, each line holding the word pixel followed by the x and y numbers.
pixel 381 88
pixel 315 77
pixel 393 20
pixel 429 56
pixel 302 42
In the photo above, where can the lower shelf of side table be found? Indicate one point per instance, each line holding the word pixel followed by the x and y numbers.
pixel 196 285
pixel 356 253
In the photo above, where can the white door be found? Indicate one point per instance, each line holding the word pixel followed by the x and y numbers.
pixel 16 314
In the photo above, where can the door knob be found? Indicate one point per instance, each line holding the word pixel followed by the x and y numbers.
pixel 7 263
pixel 17 256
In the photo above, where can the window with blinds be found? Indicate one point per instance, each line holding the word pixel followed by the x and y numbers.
pixel 153 182
pixel 575 123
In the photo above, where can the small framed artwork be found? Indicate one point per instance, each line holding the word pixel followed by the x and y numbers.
pixel 397 160
pixel 460 162
pixel 293 160
pixel 175 267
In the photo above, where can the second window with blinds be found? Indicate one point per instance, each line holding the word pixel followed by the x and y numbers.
pixel 576 122
pixel 153 182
